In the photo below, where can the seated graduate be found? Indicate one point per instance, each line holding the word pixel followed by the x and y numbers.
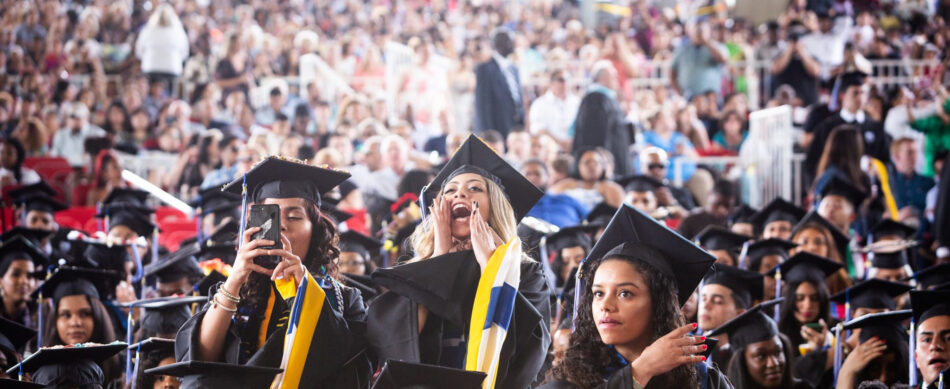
pixel 37 208
pixel 78 314
pixel 426 315
pixel 761 356
pixel 931 310
pixel 566 248
pixel 805 315
pixel 176 274
pixel 765 255
pixel 70 367
pixel 932 277
pixel 881 351
pixel 740 221
pixel 724 244
pixel 777 219
pixel 815 234
pixel 151 353
pixel 725 293
pixel 356 262
pixel 248 317
pixel 629 331
pixel 203 374
pixel 13 342
pixel 21 263
pixel 214 207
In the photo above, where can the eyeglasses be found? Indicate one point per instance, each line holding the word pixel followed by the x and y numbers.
pixel 655 166
pixel 560 79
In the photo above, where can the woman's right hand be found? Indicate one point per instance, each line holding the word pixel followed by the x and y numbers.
pixel 442 222
pixel 668 352
pixel 244 261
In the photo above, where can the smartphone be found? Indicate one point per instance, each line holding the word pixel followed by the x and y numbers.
pixel 267 217
pixel 814 326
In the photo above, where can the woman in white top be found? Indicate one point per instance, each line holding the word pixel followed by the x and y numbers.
pixel 162 46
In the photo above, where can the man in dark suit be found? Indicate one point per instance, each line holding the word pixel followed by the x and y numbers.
pixel 600 121
pixel 498 104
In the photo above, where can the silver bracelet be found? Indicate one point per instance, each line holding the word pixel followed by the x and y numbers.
pixel 215 304
pixel 230 297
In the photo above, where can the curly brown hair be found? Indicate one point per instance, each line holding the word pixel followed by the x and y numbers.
pixel 587 358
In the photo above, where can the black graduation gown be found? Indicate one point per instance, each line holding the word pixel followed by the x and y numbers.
pixel 337 357
pixel 623 379
pixel 811 368
pixel 446 285
pixel 600 123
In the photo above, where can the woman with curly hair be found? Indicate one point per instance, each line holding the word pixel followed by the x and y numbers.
pixel 476 202
pixel 629 331
pixel 246 320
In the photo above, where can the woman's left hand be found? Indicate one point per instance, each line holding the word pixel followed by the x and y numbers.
pixel 484 239
pixel 814 337
pixel 289 266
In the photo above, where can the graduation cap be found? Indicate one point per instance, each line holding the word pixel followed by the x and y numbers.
pixel 889 258
pixel 640 183
pixel 762 248
pixel 226 252
pixel 873 293
pixel 10 383
pixel 101 255
pixel 890 227
pixel 806 267
pixel 153 344
pixel 746 286
pixel 213 200
pixel 633 234
pixel 19 247
pixel 474 156
pixel 885 325
pixel 850 79
pixel 355 242
pixel 931 276
pixel 718 238
pixel 72 281
pixel 399 375
pixel 203 374
pixel 14 337
pixel 778 209
pixel 600 214
pixel 282 178
pixel 179 265
pixel 813 219
pixel 334 213
pixel 751 326
pixel 165 315
pixel 837 186
pixel 39 188
pixel 929 303
pixel 742 214
pixel 126 196
pixel 135 217
pixel 40 202
pixel 572 236
pixel 204 285
pixel 363 283
pixel 34 234
pixel 70 366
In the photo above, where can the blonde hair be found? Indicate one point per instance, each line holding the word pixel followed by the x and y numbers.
pixel 501 219
pixel 164 16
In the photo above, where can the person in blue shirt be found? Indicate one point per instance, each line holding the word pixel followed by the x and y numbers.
pixel 908 186
pixel 558 209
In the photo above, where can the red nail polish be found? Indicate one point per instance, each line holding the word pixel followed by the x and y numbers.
pixel 694 325
pixel 702 338
pixel 705 347
pixel 703 359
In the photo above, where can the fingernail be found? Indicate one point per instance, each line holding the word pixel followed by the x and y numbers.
pixel 705 347
pixel 694 325
pixel 476 203
pixel 702 338
pixel 703 359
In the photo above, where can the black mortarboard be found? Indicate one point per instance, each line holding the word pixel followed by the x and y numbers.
pixel 40 188
pixel 718 238
pixel 71 281
pixel 887 227
pixel 280 178
pixel 474 156
pixel 204 285
pixel 352 241
pixel 40 202
pixel 886 326
pixel 889 258
pixel 19 247
pixel 363 283
pixel 105 256
pixel 335 213
pixel 126 196
pixel 751 326
pixel 138 222
pixel 746 286
pixel 33 234
pixel 632 233
pixel 850 79
pixel 70 366
pixel 401 375
pixel 600 214
pixel 806 267
pixel 814 219
pixel 765 247
pixel 202 374
pixel 777 210
pixel 933 275
pixel 873 293
pixel 165 315
pixel 929 303
pixel 571 236
pixel 14 336
pixel 214 200
pixel 839 187
pixel 10 383
pixel 153 344
pixel 180 264
pixel 742 214
pixel 639 183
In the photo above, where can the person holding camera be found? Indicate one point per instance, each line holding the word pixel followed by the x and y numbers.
pixel 796 67
pixel 251 315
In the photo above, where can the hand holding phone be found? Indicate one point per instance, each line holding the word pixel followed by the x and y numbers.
pixel 267 217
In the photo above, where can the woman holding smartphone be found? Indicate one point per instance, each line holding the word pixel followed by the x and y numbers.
pixel 476 202
pixel 629 330
pixel 247 317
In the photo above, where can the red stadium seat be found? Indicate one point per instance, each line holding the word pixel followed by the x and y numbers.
pixel 47 167
pixel 169 215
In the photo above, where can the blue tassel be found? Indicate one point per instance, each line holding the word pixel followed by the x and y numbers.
pixel 138 360
pixel 139 271
pixel 128 355
pixel 778 293
pixel 911 346
pixel 243 210
pixel 39 319
pixel 422 201
pixel 578 292
pixel 838 341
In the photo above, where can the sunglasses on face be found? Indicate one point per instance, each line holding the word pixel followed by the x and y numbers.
pixel 655 166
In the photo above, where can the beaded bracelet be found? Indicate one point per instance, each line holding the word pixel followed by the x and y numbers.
pixel 232 298
pixel 215 304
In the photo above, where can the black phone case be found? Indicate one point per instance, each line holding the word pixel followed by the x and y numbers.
pixel 266 216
